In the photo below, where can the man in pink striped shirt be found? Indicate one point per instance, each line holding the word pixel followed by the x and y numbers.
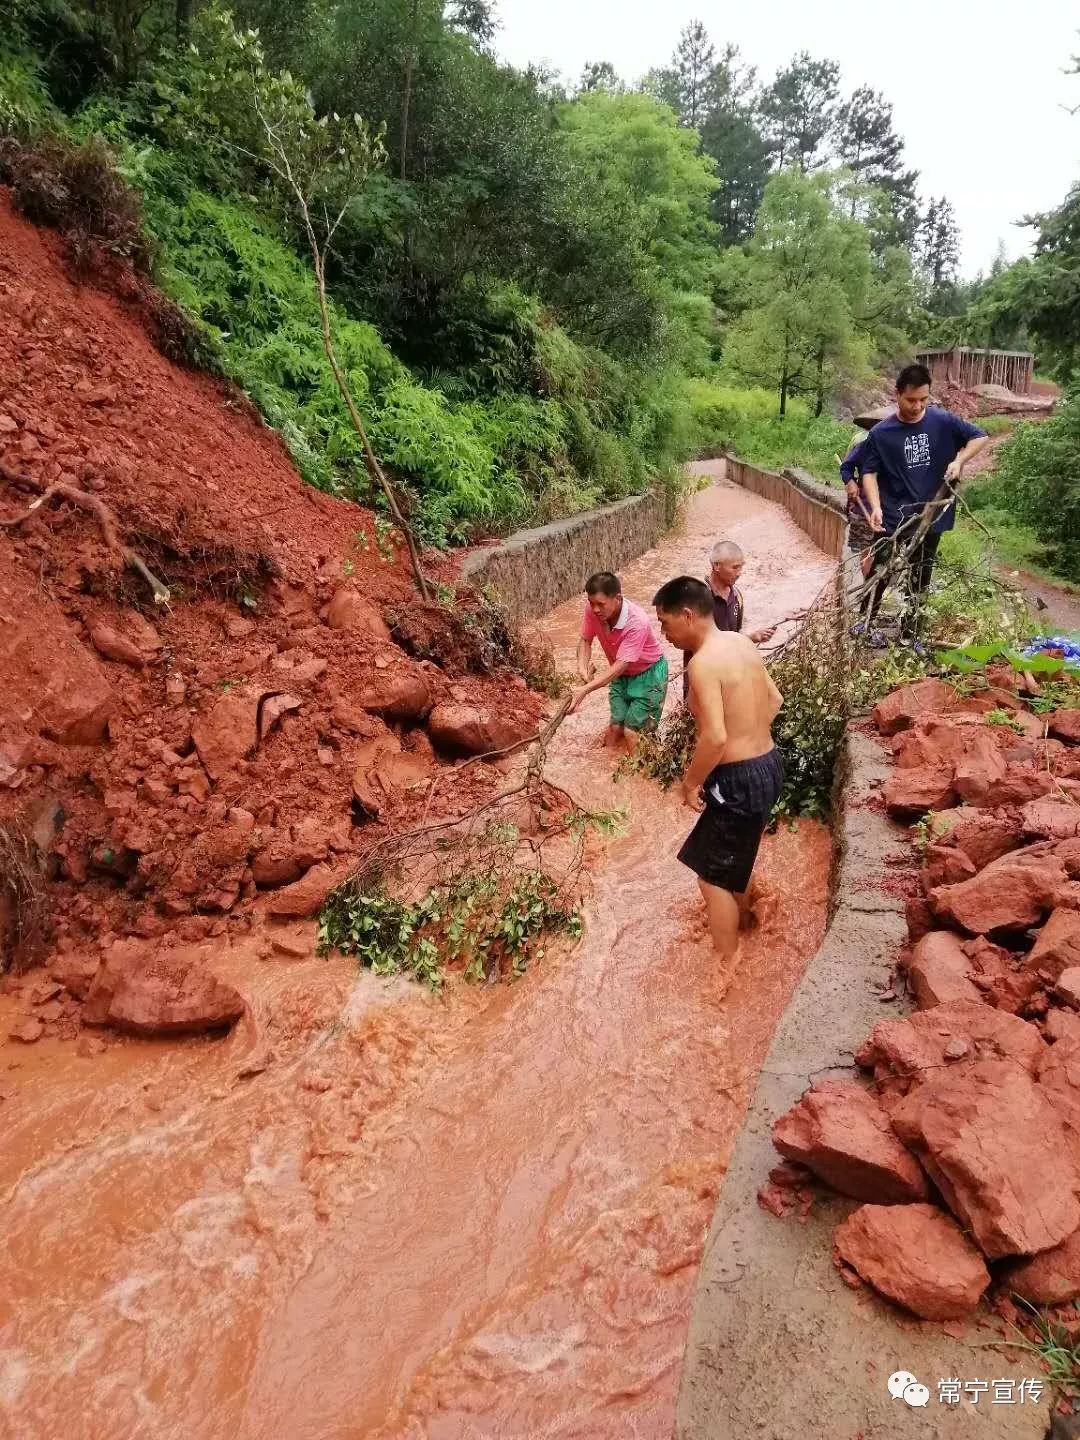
pixel 636 673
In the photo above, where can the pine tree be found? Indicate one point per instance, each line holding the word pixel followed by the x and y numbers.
pixel 599 75
pixel 694 63
pixel 939 244
pixel 798 112
pixel 865 140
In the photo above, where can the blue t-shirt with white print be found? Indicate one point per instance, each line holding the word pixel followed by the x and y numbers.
pixel 910 462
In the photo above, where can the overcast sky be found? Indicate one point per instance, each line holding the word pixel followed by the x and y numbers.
pixel 978 90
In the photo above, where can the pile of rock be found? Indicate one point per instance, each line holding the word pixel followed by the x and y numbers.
pixel 965 1146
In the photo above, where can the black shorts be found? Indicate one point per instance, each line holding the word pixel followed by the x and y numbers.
pixel 739 798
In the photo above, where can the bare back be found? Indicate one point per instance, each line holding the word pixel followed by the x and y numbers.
pixel 729 683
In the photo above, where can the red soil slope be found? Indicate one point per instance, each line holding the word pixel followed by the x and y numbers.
pixel 149 732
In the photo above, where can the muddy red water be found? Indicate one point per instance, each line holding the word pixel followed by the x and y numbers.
pixel 371 1212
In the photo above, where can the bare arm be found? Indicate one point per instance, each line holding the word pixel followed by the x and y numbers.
pixel 711 726
pixel 873 494
pixel 598 681
pixel 775 698
pixel 584 664
pixel 970 450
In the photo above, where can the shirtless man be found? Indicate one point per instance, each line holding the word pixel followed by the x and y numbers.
pixel 735 776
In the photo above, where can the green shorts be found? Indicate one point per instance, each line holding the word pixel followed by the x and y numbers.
pixel 637 701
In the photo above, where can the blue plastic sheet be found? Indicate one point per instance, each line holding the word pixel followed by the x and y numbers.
pixel 1069 647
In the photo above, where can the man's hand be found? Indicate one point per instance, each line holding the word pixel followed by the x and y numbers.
pixel 586 673
pixel 954 471
pixel 877 524
pixel 759 637
pixel 852 488
pixel 691 795
pixel 576 697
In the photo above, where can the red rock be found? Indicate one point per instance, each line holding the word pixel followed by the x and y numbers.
pixel 348 611
pixel 915 1046
pixel 403 771
pixel 1057 947
pixel 1065 724
pixel 354 719
pixel 982 836
pixel 1009 894
pixel 916 1256
pixel 159 992
pixel 297 947
pixel 227 733
pixel 908 793
pixel 1051 819
pixel 981 767
pixel 75 973
pixel 458 729
pixel 175 690
pixel 110 644
pixel 28 1030
pixel 903 707
pixel 945 865
pixel 237 628
pixel 994 1146
pixel 404 696
pixel 79 714
pixel 920 919
pixel 1068 987
pixel 306 896
pixel 272 708
pixel 366 793
pixel 840 1132
pixel 1059 1081
pixel 1051 1278
pixel 1019 785
pixel 936 742
pixel 939 971
pixel 1062 1025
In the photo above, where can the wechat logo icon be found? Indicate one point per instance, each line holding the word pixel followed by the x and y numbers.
pixel 904 1386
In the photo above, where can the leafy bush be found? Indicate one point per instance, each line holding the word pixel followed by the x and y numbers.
pixel 746 422
pixel 484 921
pixel 25 105
pixel 1038 481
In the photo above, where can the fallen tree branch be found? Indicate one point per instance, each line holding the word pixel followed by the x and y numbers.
pixel 104 516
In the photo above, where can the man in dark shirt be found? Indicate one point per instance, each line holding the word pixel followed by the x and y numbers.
pixel 911 459
pixel 726 561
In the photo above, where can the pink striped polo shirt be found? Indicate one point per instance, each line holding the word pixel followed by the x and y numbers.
pixel 631 638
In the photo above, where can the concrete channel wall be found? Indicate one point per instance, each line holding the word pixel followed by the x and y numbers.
pixel 817 509
pixel 535 570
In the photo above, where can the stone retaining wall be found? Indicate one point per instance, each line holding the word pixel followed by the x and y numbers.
pixel 816 509
pixel 535 570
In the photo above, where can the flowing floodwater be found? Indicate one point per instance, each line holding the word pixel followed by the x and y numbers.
pixel 373 1212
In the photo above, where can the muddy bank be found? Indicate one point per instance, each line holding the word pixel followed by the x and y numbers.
pixel 370 1211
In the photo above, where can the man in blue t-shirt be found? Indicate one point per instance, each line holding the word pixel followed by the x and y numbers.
pixel 910 460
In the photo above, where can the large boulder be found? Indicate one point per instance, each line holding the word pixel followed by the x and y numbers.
pixel 1057 946
pixel 307 896
pixel 981 766
pixel 1009 894
pixel 903 707
pixel 997 1151
pixel 916 1256
pixel 940 971
pixel 350 611
pixel 1051 819
pixel 401 695
pixel 939 742
pixel 111 645
pixel 1051 1278
pixel 949 1035
pixel 459 729
pixel 982 835
pixel 227 732
pixel 159 992
pixel 1059 1081
pixel 1018 785
pixel 909 793
pixel 945 865
pixel 840 1132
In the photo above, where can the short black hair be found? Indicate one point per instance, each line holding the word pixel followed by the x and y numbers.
pixel 603 583
pixel 912 377
pixel 684 593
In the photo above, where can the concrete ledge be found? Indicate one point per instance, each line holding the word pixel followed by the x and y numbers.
pixel 817 509
pixel 534 570
pixel 778 1345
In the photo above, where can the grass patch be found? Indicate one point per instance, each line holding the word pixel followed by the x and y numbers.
pixel 746 421
pixel 996 424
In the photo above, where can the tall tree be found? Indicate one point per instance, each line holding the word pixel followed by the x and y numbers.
pixel 798 112
pixel 742 159
pixel 864 138
pixel 694 64
pixel 939 244
pixel 599 75
pixel 805 286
